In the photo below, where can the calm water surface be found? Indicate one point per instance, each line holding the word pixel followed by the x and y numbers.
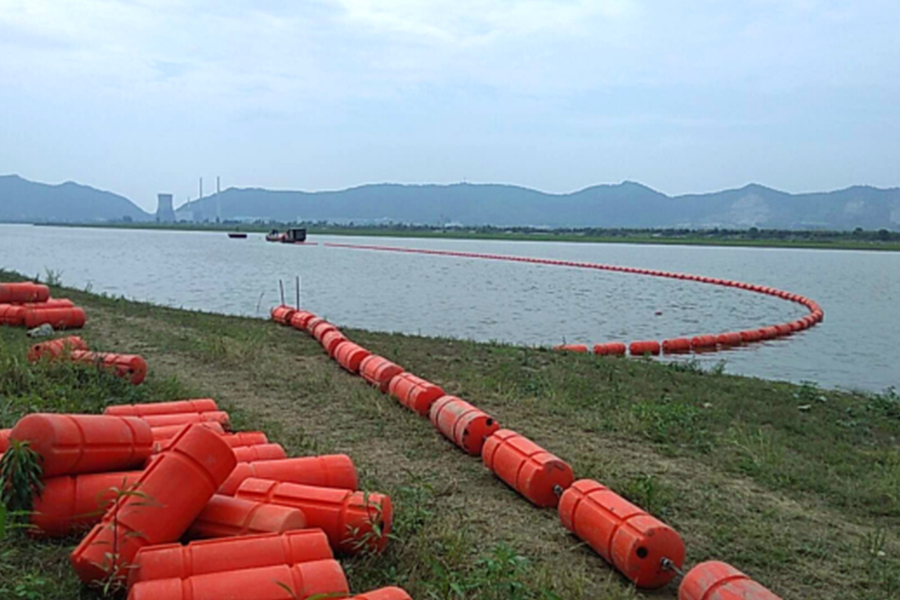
pixel 856 346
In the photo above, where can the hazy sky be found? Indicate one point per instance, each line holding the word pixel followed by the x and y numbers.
pixel 688 95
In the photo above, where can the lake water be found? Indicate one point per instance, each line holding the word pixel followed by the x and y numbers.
pixel 855 347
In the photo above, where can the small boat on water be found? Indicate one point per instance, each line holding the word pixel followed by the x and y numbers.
pixel 237 235
pixel 296 235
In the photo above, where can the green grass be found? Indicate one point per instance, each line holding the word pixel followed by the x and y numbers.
pixel 797 486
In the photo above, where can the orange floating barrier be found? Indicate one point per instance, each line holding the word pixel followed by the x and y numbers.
pixel 300 318
pixel 174 561
pixel 12 315
pixel 174 488
pixel 579 348
pixel 50 303
pixel 127 366
pixel 282 314
pixel 331 470
pixel 783 329
pixel 353 521
pixel 198 405
pixel 644 347
pixel 415 393
pixel 628 538
pixel 59 318
pixel 311 324
pixel 526 467
pixel 732 338
pixel 217 416
pixel 704 342
pixel 350 356
pixel 720 581
pixel 462 423
pixel 379 371
pixel 4 439
pixel 245 454
pixel 610 349
pixel 751 335
pixel 331 340
pixel 72 444
pixel 245 438
pixel 319 579
pixel 386 593
pixel 56 348
pixel 167 432
pixel 22 292
pixel 224 516
pixel 676 345
pixel 321 329
pixel 769 332
pixel 70 503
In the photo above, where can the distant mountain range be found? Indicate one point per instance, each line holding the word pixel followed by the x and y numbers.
pixel 626 204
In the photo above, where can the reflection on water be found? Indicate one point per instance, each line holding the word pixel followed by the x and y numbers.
pixel 511 302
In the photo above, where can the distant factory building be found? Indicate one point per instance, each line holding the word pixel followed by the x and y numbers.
pixel 165 212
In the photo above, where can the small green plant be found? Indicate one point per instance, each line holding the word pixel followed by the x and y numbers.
pixel 53 277
pixel 650 493
pixel 20 480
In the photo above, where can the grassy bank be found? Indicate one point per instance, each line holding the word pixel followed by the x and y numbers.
pixel 819 240
pixel 796 486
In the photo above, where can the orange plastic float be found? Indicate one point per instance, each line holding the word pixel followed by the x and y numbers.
pixel 13 315
pixel 224 516
pixel 732 338
pixel 644 347
pixel 245 438
pixel 72 444
pixel 4 439
pixel 282 314
pixel 174 561
pixel 56 348
pixel 704 342
pixel 580 348
pixel 387 593
pixel 415 393
pixel 353 521
pixel 246 454
pixel 127 366
pixel 676 345
pixel 628 538
pixel 19 293
pixel 526 467
pixel 50 303
pixel 331 340
pixel 59 318
pixel 379 371
pixel 311 324
pixel 319 579
pixel 331 470
pixel 350 356
pixel 182 419
pixel 167 432
pixel 198 405
pixel 751 335
pixel 174 488
pixel 720 581
pixel 321 329
pixel 70 503
pixel 300 318
pixel 610 349
pixel 462 423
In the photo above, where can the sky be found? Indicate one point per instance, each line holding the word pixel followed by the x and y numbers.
pixel 140 97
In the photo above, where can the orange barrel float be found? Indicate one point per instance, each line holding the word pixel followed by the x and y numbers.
pixel 353 521
pixel 51 303
pixel 174 561
pixel 56 348
pixel 320 579
pixel 282 314
pixel 628 538
pixel 379 371
pixel 732 338
pixel 720 581
pixel 19 293
pixel 167 432
pixel 462 423
pixel 641 348
pixel 751 335
pixel 783 329
pixel 415 393
pixel 245 438
pixel 795 325
pixel 313 323
pixel 4 439
pixel 610 349
pixel 174 488
pixel 71 503
pixel 581 348
pixel 675 345
pixel 704 342
pixel 331 470
pixel 126 366
pixel 183 419
pixel 245 454
pixel 198 405
pixel 13 315
pixel 331 340
pixel 224 516
pixel 300 318
pixel 768 333
pixel 387 593
pixel 60 318
pixel 71 444
pixel 321 329
pixel 526 467
pixel 350 356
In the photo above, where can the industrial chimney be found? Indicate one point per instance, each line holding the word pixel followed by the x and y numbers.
pixel 165 213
